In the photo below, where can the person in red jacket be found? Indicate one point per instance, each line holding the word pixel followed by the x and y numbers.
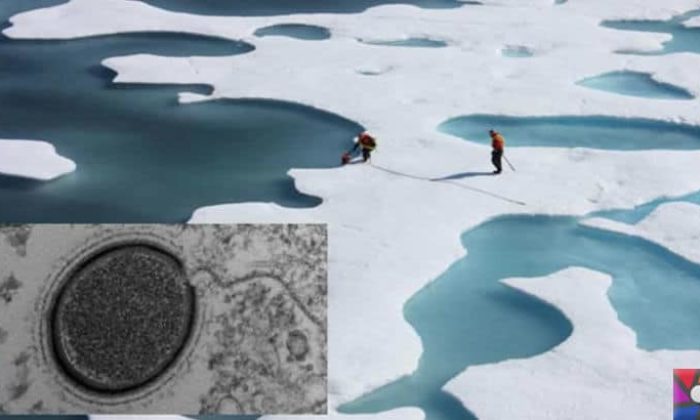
pixel 498 144
pixel 366 143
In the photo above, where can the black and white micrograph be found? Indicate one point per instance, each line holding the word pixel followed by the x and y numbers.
pixel 137 319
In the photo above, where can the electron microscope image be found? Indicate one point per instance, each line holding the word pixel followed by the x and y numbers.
pixel 188 319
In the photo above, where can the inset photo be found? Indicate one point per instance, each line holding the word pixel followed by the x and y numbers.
pixel 186 319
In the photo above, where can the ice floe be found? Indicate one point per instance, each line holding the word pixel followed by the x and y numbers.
pixel 672 225
pixel 598 370
pixel 32 159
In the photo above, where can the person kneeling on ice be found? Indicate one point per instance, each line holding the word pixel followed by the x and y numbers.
pixel 497 145
pixel 366 143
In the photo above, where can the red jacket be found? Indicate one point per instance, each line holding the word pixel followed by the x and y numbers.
pixel 366 141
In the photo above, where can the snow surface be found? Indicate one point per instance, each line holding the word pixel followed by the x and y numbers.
pixel 391 234
pixel 692 22
pixel 671 225
pixel 32 159
pixel 598 370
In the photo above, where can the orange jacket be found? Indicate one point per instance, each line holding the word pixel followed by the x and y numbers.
pixel 498 142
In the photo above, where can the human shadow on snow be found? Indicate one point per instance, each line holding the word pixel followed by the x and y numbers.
pixel 462 175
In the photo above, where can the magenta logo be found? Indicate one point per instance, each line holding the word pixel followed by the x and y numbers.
pixel 686 394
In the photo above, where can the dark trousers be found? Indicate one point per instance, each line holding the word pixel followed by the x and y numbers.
pixel 366 154
pixel 496 156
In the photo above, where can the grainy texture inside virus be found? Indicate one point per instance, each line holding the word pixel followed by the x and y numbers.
pixel 122 318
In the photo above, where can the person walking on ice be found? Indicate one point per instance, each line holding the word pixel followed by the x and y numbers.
pixel 366 143
pixel 498 144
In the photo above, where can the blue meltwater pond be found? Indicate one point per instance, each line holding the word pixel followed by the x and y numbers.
pixel 467 317
pixel 570 131
pixel 409 42
pixel 295 30
pixel 141 156
pixel 684 39
pixel 516 51
pixel 632 83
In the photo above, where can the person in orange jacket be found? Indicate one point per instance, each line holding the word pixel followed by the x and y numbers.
pixel 498 144
pixel 366 143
